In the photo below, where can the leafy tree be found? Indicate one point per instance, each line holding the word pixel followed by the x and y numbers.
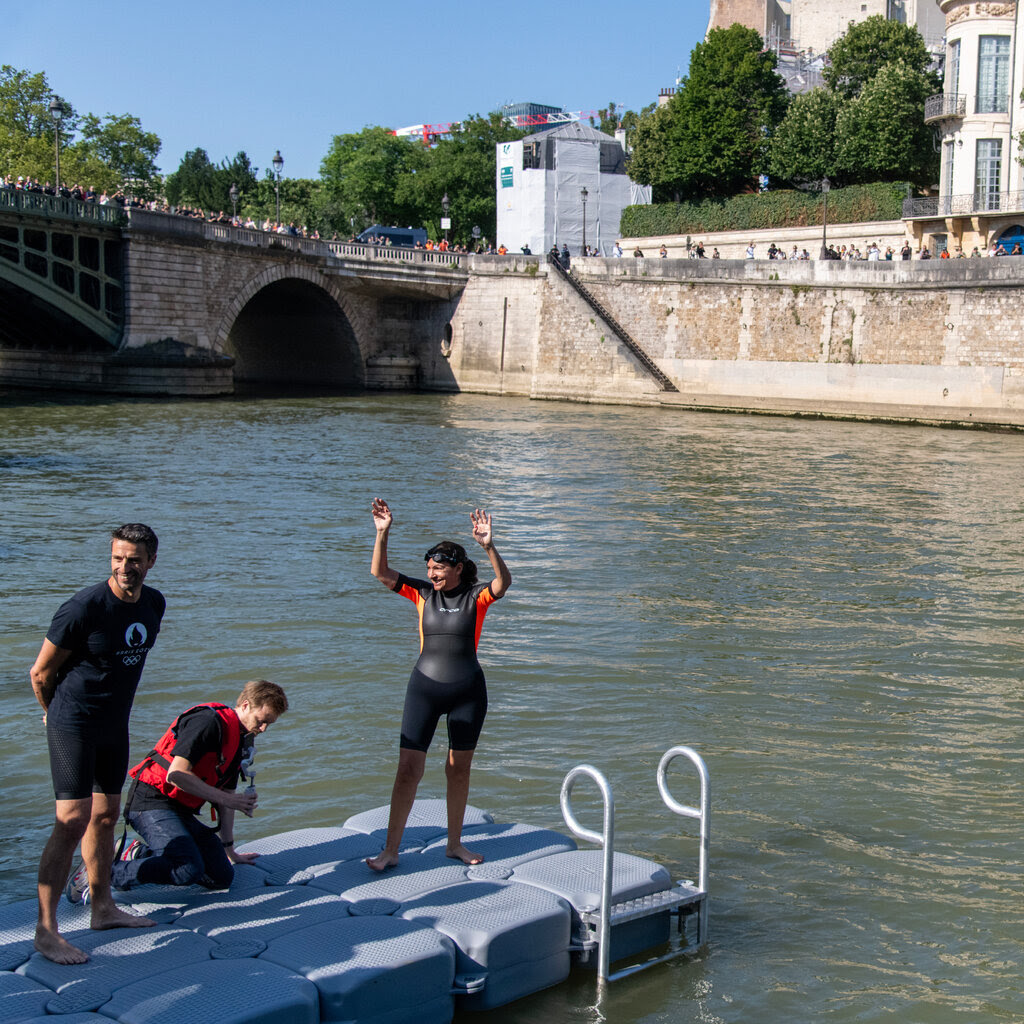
pixel 124 152
pixel 462 165
pixel 881 135
pixel 715 137
pixel 26 128
pixel 649 160
pixel 25 104
pixel 361 172
pixel 200 182
pixel 611 119
pixel 111 151
pixel 868 46
pixel 803 148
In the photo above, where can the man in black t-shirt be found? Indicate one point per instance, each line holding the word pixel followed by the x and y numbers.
pixel 85 678
pixel 197 759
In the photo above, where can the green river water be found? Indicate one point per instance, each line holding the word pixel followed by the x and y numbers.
pixel 829 612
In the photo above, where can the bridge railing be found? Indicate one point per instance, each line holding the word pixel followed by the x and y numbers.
pixel 187 227
pixel 57 207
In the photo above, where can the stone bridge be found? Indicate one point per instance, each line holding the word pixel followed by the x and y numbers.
pixel 97 297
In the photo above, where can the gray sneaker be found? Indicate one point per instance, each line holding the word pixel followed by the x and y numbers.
pixel 77 889
pixel 133 850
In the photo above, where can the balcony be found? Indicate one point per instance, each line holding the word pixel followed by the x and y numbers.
pixel 945 106
pixel 963 205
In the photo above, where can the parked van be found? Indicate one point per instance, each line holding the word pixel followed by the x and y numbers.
pixel 397 236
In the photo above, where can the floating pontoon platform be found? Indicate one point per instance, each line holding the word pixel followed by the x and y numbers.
pixel 308 934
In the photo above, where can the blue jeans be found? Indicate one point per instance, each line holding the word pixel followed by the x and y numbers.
pixel 180 851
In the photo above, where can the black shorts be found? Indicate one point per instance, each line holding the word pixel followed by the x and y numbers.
pixel 426 700
pixel 82 765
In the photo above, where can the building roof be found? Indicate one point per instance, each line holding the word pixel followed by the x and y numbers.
pixel 573 130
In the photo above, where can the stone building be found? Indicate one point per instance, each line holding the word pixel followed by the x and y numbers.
pixel 978 119
pixel 814 25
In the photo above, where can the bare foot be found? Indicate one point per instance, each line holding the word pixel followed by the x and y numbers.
pixel 55 947
pixel 466 856
pixel 382 861
pixel 114 917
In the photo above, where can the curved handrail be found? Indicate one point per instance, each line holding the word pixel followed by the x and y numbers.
pixel 702 812
pixel 605 839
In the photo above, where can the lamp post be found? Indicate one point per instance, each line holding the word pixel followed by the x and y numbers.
pixel 445 222
pixel 825 186
pixel 233 196
pixel 278 163
pixel 583 196
pixel 57 112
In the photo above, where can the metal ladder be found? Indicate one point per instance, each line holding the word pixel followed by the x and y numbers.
pixel 620 332
pixel 686 898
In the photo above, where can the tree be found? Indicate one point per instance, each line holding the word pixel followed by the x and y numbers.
pixel 881 134
pixel 803 148
pixel 714 136
pixel 868 46
pixel 649 161
pixel 112 151
pixel 27 130
pixel 200 182
pixel 611 120
pixel 126 152
pixel 462 166
pixel 361 172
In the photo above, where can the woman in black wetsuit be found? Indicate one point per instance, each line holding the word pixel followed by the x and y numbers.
pixel 447 679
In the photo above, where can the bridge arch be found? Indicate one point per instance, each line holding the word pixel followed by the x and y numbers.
pixel 293 325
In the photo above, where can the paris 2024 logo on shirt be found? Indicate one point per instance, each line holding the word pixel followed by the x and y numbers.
pixel 135 636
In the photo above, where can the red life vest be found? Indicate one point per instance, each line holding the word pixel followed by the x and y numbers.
pixel 214 767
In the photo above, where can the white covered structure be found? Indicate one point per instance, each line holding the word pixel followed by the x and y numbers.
pixel 539 187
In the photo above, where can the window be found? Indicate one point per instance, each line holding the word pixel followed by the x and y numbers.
pixel 994 75
pixel 946 177
pixel 953 68
pixel 987 172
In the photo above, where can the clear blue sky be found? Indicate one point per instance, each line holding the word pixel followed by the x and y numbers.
pixel 259 76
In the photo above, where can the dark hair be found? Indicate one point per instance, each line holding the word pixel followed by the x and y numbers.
pixel 458 552
pixel 137 533
pixel 262 693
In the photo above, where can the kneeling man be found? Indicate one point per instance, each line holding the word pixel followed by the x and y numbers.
pixel 197 760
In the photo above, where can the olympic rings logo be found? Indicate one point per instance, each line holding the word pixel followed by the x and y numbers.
pixel 132 659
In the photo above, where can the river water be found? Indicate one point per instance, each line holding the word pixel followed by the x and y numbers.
pixel 829 612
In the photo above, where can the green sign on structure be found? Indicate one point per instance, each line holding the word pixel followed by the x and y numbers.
pixel 506 177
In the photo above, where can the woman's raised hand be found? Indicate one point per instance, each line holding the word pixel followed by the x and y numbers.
pixel 381 515
pixel 481 527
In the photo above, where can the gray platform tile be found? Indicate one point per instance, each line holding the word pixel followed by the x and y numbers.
pixel 166 903
pixel 374 970
pixel 218 992
pixel 68 1018
pixel 510 845
pixel 304 854
pixel 18 929
pixel 414 874
pixel 428 821
pixel 21 997
pixel 263 914
pixel 494 923
pixel 576 877
pixel 117 958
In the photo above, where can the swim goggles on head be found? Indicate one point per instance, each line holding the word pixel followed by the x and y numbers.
pixel 441 556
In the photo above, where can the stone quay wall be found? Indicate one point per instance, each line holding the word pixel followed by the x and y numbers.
pixel 934 342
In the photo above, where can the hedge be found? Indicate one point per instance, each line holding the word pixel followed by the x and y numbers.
pixel 782 209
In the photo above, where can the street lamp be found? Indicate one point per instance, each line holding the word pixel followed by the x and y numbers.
pixel 233 196
pixel 57 112
pixel 825 186
pixel 278 163
pixel 583 196
pixel 445 222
